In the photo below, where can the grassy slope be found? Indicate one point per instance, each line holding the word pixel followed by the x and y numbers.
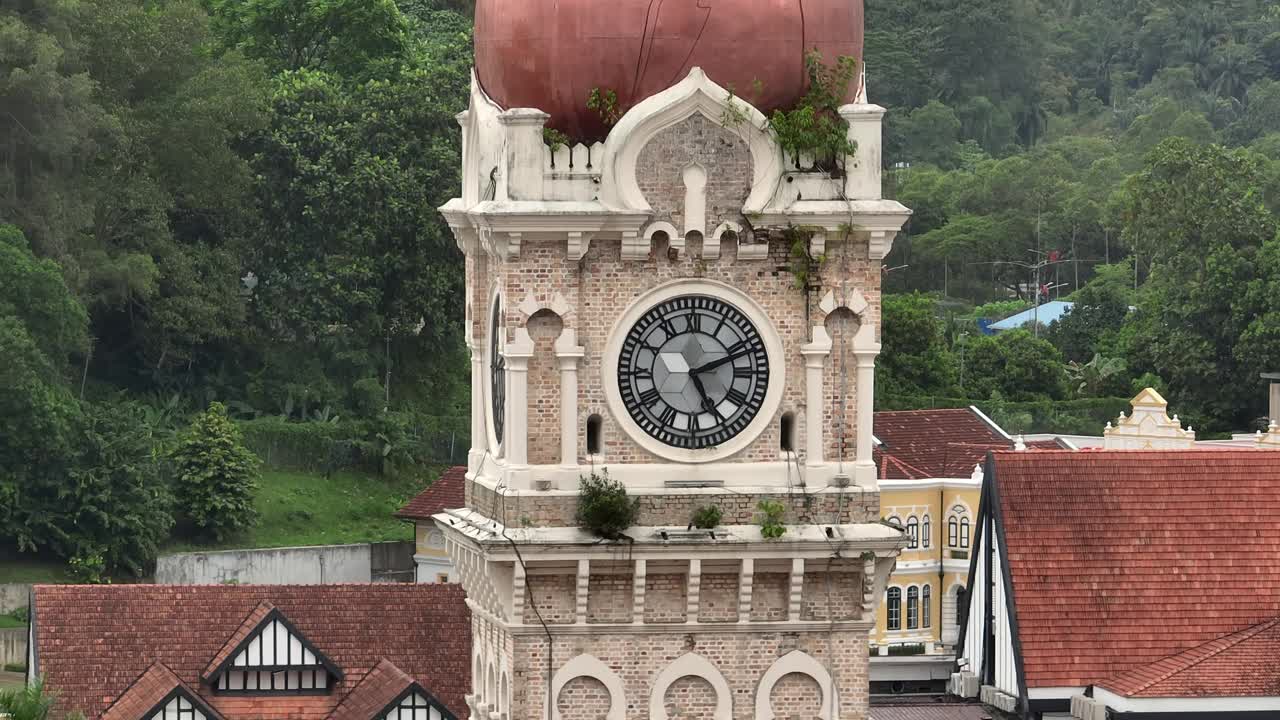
pixel 303 509
pixel 293 509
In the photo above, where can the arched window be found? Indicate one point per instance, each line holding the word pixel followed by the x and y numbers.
pixel 895 520
pixel 924 533
pixel 964 533
pixel 913 607
pixel 787 436
pixel 913 533
pixel 953 532
pixel 595 432
pixel 893 609
pixel 926 617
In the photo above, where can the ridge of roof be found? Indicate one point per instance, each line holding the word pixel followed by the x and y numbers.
pixel 154 687
pixel 1179 663
pixel 251 622
pixel 375 691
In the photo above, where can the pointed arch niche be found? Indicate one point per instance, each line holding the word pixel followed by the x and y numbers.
pixel 590 666
pixel 684 666
pixel 796 661
pixel 697 93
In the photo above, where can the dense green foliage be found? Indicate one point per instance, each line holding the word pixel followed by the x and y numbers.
pixel 215 475
pixel 604 507
pixel 1132 141
pixel 31 702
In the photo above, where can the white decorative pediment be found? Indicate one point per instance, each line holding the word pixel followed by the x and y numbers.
pixel 1149 427
pixel 697 93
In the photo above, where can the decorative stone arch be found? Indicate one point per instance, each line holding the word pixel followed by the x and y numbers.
pixel 695 94
pixel 504 693
pixel 684 666
pixel 589 666
pixel 491 685
pixel 797 661
pixel 675 239
pixel 556 304
pixel 477 674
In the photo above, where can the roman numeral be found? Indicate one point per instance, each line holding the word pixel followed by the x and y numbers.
pixel 737 397
pixel 694 320
pixel 668 416
pixel 649 397
pixel 745 373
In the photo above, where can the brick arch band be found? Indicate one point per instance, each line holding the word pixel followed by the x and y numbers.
pixel 803 663
pixel 684 666
pixel 590 666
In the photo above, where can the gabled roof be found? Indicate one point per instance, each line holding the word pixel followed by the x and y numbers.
pixel 446 493
pixel 95 642
pixel 384 686
pixel 1118 559
pixel 944 443
pixel 262 615
pixel 149 692
pixel 1242 664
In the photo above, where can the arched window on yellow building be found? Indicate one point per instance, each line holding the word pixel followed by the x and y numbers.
pixel 913 532
pixel 926 617
pixel 924 533
pixel 913 607
pixel 893 609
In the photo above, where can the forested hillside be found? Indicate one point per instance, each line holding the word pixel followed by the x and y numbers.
pixel 234 201
pixel 1047 143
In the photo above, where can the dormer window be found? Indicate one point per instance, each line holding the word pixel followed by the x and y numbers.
pixel 178 707
pixel 417 705
pixel 272 658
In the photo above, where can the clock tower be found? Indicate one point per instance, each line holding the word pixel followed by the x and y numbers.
pixel 688 309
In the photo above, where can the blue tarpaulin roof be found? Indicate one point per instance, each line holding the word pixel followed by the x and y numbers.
pixel 1046 314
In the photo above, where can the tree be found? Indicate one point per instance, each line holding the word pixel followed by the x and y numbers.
pixel 914 359
pixel 215 475
pixel 1097 315
pixel 1200 214
pixel 31 702
pixel 1015 366
pixel 32 291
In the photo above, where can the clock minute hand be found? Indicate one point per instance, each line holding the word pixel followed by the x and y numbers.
pixel 717 363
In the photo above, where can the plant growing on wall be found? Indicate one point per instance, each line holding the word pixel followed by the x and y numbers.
pixel 707 517
pixel 604 101
pixel 804 264
pixel 554 138
pixel 814 126
pixel 604 508
pixel 770 519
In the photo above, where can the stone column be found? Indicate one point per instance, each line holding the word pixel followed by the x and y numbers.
pixel 866 348
pixel 815 359
pixel 569 353
pixel 862 174
pixel 526 153
pixel 479 428
pixel 517 353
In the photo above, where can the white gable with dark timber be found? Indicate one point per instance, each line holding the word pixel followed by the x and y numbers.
pixel 275 658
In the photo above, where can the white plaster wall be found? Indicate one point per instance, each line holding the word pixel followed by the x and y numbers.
pixel 13 596
pixel 13 646
pixel 276 566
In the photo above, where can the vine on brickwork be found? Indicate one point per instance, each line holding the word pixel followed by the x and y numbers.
pixel 604 508
pixel 771 519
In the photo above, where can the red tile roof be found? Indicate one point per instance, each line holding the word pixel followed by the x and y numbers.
pixel 379 688
pixel 1120 558
pixel 94 642
pixel 1241 664
pixel 247 626
pixel 446 493
pixel 921 444
pixel 153 687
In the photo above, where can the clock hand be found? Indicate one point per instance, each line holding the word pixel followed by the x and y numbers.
pixel 706 401
pixel 717 363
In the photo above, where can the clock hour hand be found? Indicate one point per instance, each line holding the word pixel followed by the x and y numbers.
pixel 717 363
pixel 706 401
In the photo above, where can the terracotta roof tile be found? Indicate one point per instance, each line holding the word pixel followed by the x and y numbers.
pixel 93 642
pixel 921 444
pixel 1241 664
pixel 247 626
pixel 446 493
pixel 382 685
pixel 1120 558
pixel 148 691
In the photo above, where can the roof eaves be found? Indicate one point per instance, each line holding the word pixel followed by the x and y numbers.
pixel 273 614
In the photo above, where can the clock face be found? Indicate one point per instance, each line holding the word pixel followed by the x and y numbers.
pixel 497 371
pixel 693 372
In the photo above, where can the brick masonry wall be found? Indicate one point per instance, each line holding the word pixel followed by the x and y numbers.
pixel 555 597
pixel 544 388
pixel 741 658
pixel 718 598
pixel 770 596
pixel 838 599
pixel 600 288
pixel 666 598
pixel 690 698
pixel 610 599
pixel 534 509
pixel 583 698
pixel 796 697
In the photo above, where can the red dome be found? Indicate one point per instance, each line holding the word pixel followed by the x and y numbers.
pixel 550 54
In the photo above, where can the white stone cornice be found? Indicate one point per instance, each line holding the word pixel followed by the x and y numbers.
pixel 579 243
pixel 837 215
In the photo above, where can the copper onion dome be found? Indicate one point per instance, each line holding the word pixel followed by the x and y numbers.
pixel 550 54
